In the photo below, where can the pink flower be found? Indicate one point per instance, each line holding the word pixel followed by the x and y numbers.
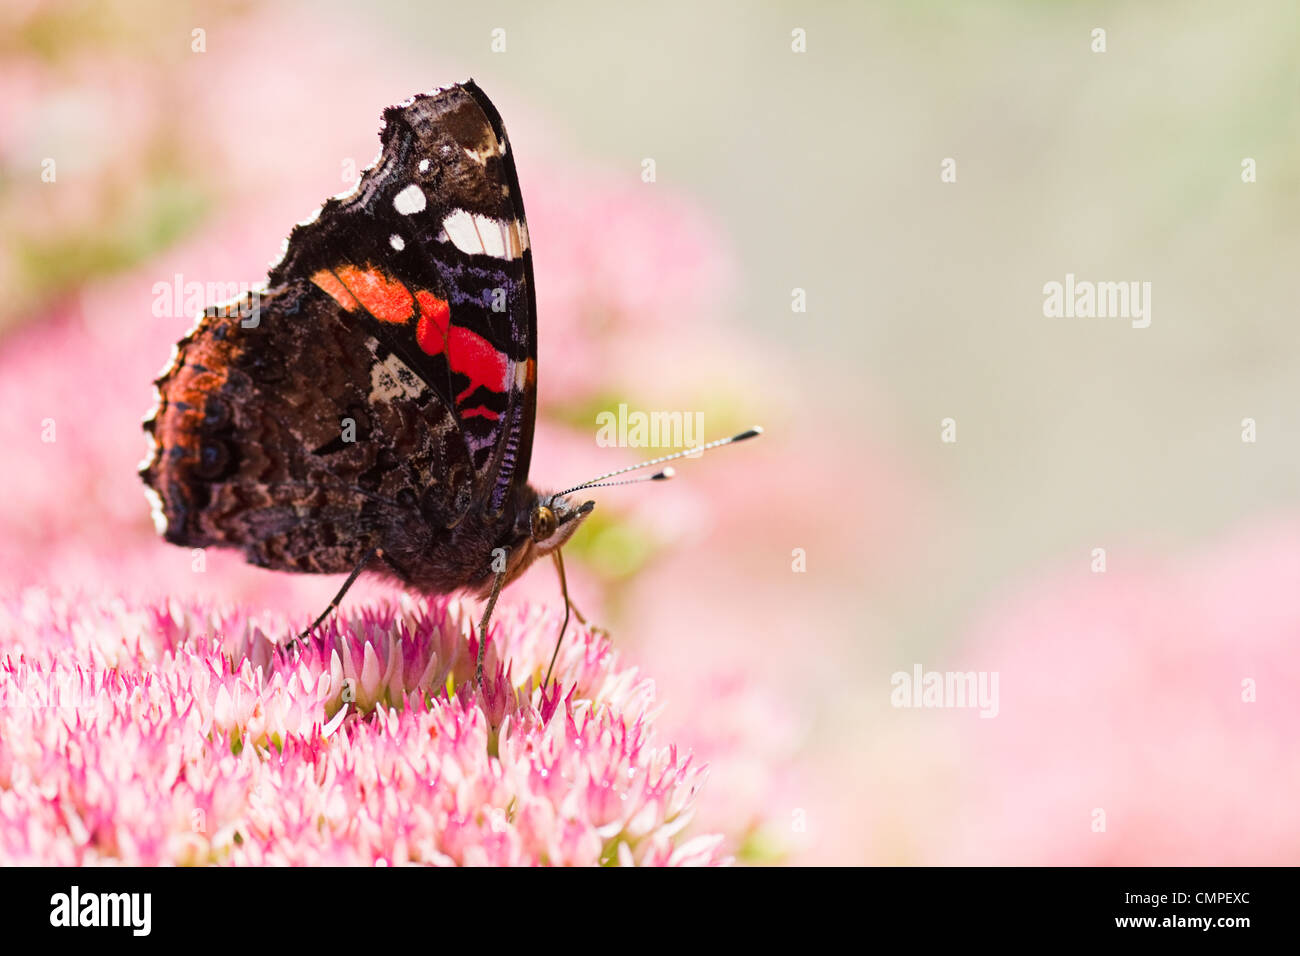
pixel 624 271
pixel 177 734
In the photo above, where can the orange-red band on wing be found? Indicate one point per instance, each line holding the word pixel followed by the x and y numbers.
pixel 384 298
pixel 468 353
pixel 435 319
pixel 330 283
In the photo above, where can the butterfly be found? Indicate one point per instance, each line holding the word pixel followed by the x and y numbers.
pixel 372 408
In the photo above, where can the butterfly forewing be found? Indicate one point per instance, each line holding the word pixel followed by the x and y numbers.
pixel 384 388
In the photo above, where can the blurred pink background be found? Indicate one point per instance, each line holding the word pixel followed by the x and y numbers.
pixel 1120 690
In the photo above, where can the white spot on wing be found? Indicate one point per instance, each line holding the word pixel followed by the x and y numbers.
pixel 483 235
pixel 410 200
pixel 393 379
pixel 493 234
pixel 424 165
pixel 397 242
pixel 460 229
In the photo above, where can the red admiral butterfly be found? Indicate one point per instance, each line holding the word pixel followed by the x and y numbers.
pixel 373 407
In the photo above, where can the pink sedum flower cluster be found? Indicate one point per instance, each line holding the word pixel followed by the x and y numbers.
pixel 182 735
pixel 628 271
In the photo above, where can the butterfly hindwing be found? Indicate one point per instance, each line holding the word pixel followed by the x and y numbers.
pixel 271 439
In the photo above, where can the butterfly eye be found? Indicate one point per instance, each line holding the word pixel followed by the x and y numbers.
pixel 544 523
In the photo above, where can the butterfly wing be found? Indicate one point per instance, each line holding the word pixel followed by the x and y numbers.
pixel 432 251
pixel 385 382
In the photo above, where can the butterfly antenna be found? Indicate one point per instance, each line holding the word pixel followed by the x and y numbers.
pixel 600 481
pixel 663 475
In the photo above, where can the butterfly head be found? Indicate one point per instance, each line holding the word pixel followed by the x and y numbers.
pixel 553 520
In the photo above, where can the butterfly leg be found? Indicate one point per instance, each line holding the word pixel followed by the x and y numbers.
pixel 356 573
pixel 568 605
pixel 483 625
